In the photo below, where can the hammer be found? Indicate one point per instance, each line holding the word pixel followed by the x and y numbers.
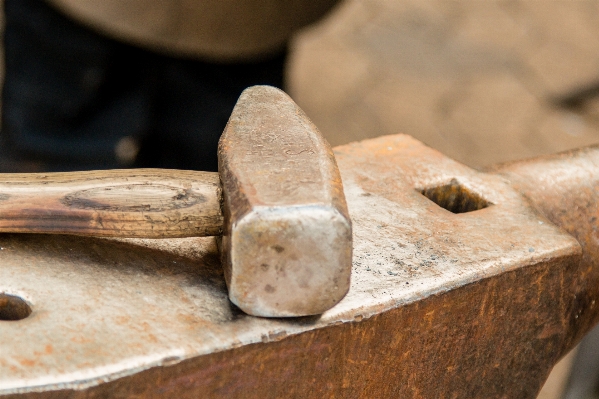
pixel 277 202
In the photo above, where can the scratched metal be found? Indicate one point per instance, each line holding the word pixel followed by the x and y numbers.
pixel 287 242
pixel 441 304
pixel 565 188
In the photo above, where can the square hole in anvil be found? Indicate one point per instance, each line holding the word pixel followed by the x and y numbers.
pixel 455 198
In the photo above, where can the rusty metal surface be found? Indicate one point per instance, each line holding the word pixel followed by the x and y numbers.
pixel 287 240
pixel 13 308
pixel 441 304
pixel 565 188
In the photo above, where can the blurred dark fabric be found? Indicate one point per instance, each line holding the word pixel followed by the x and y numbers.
pixel 75 100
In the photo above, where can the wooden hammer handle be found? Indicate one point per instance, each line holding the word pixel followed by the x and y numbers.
pixel 151 203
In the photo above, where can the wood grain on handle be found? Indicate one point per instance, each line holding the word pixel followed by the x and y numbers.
pixel 151 203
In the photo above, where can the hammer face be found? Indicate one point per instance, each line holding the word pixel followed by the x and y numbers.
pixel 287 241
pixel 289 261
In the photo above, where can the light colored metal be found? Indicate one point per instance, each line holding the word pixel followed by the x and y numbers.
pixel 287 240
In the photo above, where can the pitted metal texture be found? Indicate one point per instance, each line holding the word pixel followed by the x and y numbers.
pixel 287 240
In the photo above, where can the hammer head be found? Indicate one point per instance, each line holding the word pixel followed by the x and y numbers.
pixel 287 241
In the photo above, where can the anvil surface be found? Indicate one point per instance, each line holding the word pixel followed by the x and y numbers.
pixel 441 304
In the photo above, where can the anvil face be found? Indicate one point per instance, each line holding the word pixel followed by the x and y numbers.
pixel 467 302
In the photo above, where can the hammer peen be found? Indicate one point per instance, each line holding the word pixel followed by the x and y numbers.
pixel 277 201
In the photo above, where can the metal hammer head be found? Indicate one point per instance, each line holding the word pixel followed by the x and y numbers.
pixel 287 240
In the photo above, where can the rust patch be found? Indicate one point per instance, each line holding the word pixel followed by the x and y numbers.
pixel 13 308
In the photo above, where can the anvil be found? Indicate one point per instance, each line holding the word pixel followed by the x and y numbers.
pixel 465 284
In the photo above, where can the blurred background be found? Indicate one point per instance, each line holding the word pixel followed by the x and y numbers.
pixel 482 81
